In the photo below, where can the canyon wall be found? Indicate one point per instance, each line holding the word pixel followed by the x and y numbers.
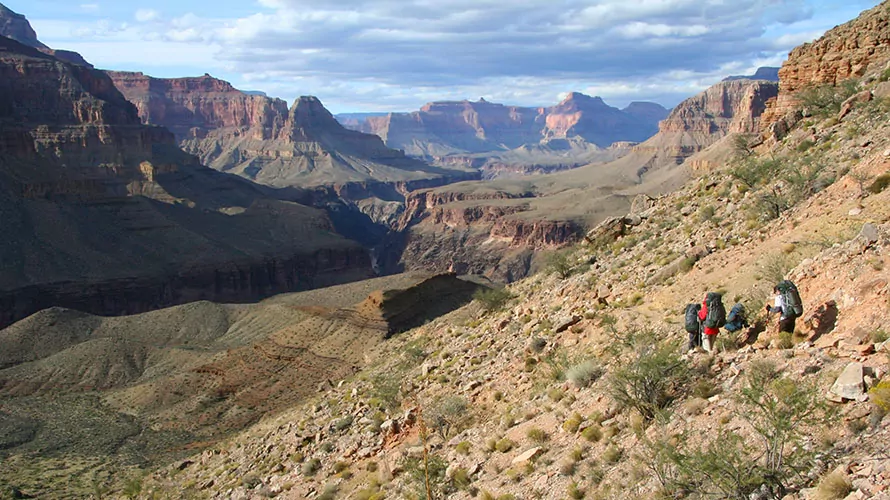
pixel 848 51
pixel 107 214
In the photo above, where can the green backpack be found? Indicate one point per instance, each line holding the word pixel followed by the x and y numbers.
pixel 791 299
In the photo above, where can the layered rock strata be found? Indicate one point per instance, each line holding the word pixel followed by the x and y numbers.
pixel 440 129
pixel 106 214
pixel 848 51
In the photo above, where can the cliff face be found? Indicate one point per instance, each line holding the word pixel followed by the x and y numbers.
pixel 847 51
pixel 494 229
pixel 259 138
pixel 728 107
pixel 17 27
pixel 106 214
pixel 439 129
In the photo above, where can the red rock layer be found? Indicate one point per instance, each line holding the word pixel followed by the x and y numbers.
pixel 847 51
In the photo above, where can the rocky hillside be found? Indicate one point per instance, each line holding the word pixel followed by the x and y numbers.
pixel 576 382
pixel 106 215
pixel 493 228
pixel 182 378
pixel 17 27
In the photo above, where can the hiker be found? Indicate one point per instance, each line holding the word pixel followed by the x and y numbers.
pixel 787 302
pixel 737 318
pixel 693 326
pixel 712 316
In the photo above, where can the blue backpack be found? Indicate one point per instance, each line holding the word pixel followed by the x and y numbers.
pixel 736 319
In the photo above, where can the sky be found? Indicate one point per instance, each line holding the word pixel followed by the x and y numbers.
pixel 396 55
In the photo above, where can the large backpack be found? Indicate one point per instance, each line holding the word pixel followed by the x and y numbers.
pixel 791 299
pixel 691 314
pixel 716 312
pixel 737 318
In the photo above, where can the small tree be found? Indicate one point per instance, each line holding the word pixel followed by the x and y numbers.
pixel 560 263
pixel 778 409
pixel 492 299
pixel 650 382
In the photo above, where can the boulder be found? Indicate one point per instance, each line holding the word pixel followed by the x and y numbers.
pixel 641 203
pixel 851 102
pixel 850 384
pixel 527 455
pixel 564 323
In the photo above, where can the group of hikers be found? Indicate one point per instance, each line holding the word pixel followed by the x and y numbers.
pixel 703 321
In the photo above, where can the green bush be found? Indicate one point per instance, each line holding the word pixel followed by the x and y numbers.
pixel 504 445
pixel 825 100
pixel 448 416
pixel 879 184
pixel 593 433
pixel 493 299
pixel 310 467
pixel 560 263
pixel 650 382
pixel 584 373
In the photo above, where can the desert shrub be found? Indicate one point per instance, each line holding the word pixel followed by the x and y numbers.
pixel 573 423
pixel 463 448
pixel 880 183
pixel 592 433
pixel 448 416
pixel 575 491
pixel 536 434
pixel 584 373
pixel 650 382
pixel 704 388
pixel 612 454
pixel 460 478
pixel 880 395
pixel 386 390
pixel 687 264
pixel 537 344
pixel 786 340
pixel 560 263
pixel 340 466
pixel 805 145
pixel 493 299
pixel 780 409
pixel 774 268
pixel 834 486
pixel 418 471
pixel 330 492
pixel 825 100
pixel 557 363
pixel 343 423
pixel 504 445
pixel 706 213
pixel 311 466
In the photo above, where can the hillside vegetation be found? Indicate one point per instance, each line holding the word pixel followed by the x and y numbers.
pixel 575 383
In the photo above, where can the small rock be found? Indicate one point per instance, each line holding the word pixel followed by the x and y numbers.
pixel 564 323
pixel 869 233
pixel 850 385
pixel 414 451
pixel 527 455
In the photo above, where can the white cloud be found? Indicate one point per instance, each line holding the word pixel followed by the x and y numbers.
pixel 147 15
pixel 396 54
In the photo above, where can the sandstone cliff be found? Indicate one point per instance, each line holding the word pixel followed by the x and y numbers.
pixel 847 51
pixel 106 214
pixel 259 138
